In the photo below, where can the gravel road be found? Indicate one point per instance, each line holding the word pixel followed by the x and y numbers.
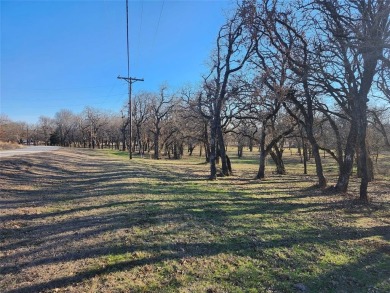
pixel 27 150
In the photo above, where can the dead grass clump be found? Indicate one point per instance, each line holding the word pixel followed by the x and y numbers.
pixel 9 146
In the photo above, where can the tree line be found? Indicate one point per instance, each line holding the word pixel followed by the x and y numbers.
pixel 312 73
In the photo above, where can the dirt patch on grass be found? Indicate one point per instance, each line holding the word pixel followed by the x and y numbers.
pixel 84 221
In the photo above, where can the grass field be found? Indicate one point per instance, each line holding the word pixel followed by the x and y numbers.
pixel 93 221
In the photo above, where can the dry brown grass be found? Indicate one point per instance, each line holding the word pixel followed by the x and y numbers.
pixel 9 146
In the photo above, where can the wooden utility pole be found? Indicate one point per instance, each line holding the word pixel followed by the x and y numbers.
pixel 130 81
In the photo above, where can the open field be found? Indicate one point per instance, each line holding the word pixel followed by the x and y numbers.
pixel 91 221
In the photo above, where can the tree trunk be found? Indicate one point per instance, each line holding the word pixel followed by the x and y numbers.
pixel 277 158
pixel 320 172
pixel 190 149
pixel 123 139
pixel 317 156
pixel 304 149
pixel 213 150
pixel 304 158
pixel 229 164
pixel 239 150
pixel 261 172
pixel 347 164
pixel 222 148
pixel 207 149
pixel 299 147
pixel 263 154
pixel 370 60
pixel 176 151
pixel 156 144
pixel 363 156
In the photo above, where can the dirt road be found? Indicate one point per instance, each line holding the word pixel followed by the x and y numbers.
pixel 27 150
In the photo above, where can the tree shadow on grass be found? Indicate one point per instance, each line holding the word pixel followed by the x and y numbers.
pixel 141 205
pixel 373 267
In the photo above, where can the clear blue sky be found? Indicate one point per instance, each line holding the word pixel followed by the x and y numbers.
pixel 67 54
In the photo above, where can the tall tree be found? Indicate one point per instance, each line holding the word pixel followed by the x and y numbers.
pixel 233 49
pixel 65 122
pixel 140 114
pixel 355 35
pixel 286 32
pixel 161 106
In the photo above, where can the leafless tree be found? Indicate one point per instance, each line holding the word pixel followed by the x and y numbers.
pixel 161 106
pixel 12 131
pixel 45 127
pixel 96 119
pixel 285 30
pixel 233 49
pixel 141 113
pixel 65 124
pixel 354 37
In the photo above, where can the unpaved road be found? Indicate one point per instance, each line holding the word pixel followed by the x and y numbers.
pixel 27 150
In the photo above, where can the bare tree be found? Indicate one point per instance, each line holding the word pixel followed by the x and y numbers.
pixel 232 51
pixel 285 32
pixel 161 106
pixel 65 122
pixel 96 120
pixel 355 35
pixel 195 125
pixel 141 113
pixel 45 127
pixel 11 131
pixel 377 117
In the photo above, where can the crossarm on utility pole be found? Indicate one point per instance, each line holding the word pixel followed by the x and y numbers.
pixel 130 81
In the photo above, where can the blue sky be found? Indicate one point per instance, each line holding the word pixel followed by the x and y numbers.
pixel 67 54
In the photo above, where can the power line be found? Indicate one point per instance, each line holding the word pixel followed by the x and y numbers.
pixel 127 37
pixel 139 34
pixel 56 89
pixel 158 23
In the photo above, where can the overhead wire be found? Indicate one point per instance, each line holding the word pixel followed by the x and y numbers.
pixel 127 38
pixel 61 104
pixel 139 35
pixel 158 23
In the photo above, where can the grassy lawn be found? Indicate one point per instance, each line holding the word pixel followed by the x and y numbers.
pixel 93 221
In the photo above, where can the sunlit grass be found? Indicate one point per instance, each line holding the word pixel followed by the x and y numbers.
pixel 116 225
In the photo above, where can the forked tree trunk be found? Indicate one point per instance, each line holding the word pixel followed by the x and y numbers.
pixel 277 157
pixel 347 164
